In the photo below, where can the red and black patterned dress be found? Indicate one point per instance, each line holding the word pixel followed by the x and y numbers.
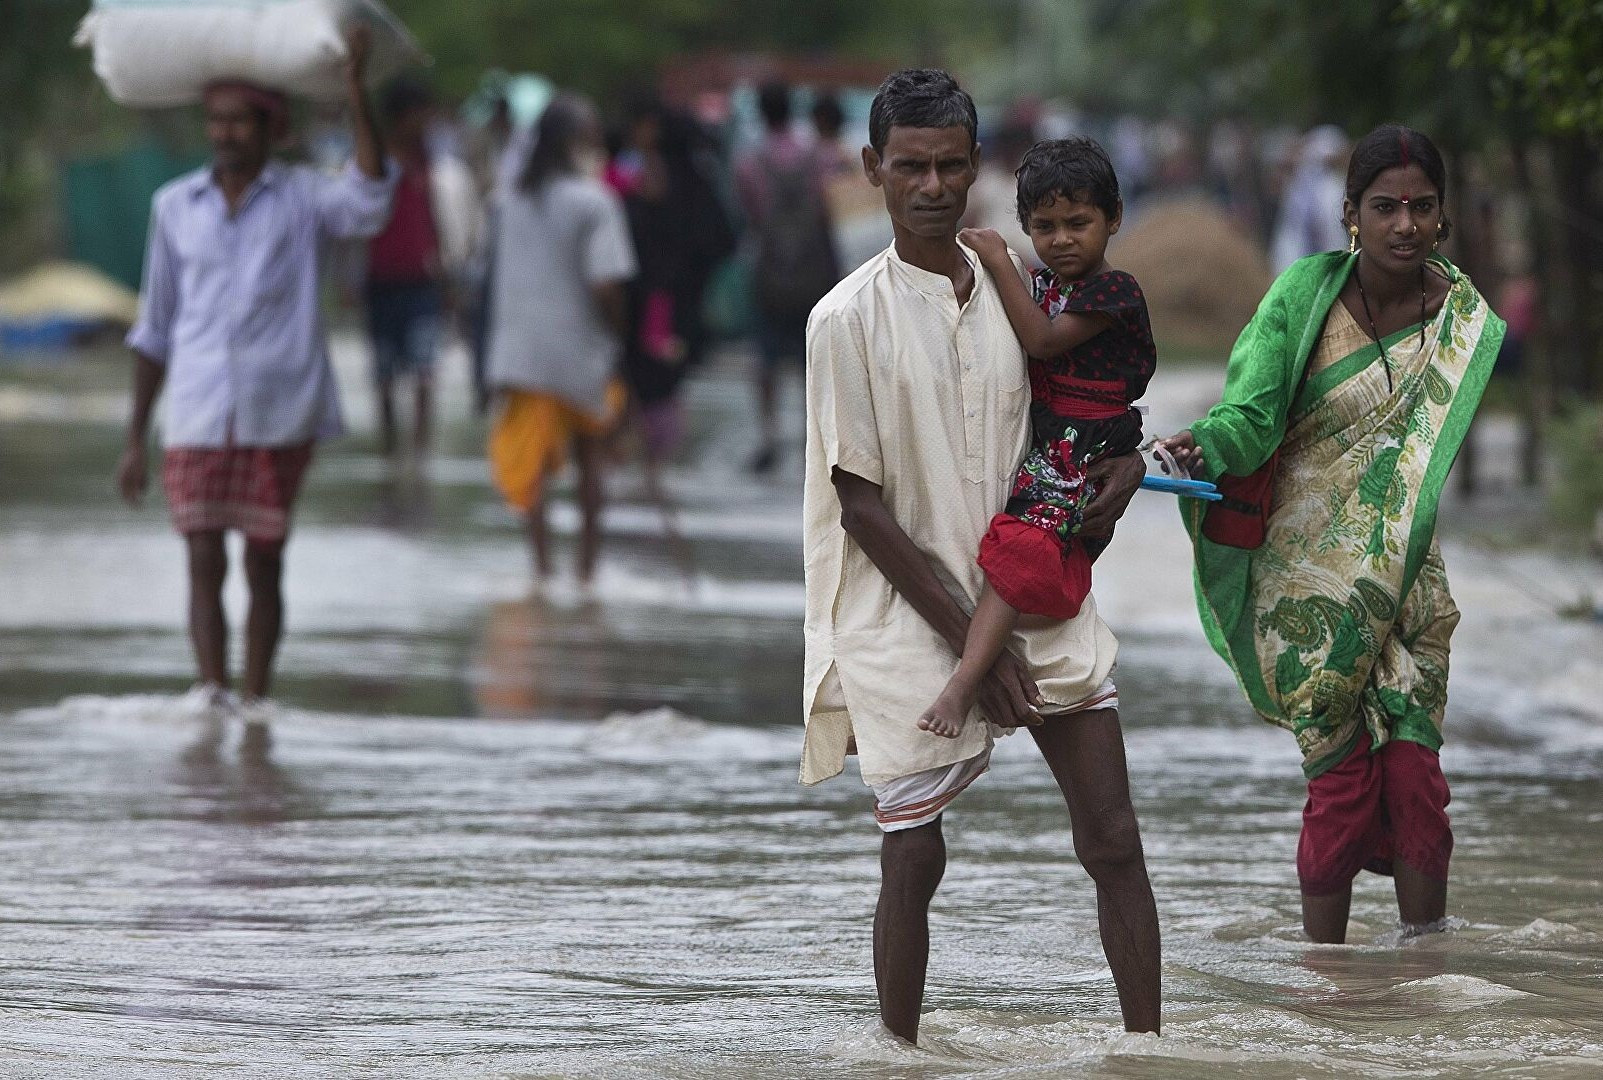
pixel 1080 412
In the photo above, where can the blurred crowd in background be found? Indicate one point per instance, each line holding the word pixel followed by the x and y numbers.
pixel 1212 213
pixel 1206 114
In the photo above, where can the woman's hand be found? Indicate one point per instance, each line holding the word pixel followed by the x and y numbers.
pixel 1187 454
pixel 987 244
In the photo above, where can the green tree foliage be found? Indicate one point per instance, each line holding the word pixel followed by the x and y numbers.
pixel 603 47
pixel 1294 61
pixel 37 60
pixel 35 50
pixel 1543 60
pixel 1544 57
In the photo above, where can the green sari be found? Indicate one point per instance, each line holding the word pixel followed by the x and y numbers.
pixel 1339 623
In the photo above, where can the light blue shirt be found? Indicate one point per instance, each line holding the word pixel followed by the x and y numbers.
pixel 230 302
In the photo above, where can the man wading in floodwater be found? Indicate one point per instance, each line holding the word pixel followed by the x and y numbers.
pixel 229 323
pixel 917 419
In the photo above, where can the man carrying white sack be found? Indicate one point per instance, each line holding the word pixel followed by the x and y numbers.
pixel 229 324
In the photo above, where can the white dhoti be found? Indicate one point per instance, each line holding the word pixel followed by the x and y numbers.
pixel 919 798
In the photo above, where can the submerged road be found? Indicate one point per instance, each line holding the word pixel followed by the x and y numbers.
pixel 558 834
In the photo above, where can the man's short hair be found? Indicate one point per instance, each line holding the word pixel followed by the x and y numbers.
pixel 1077 169
pixel 920 97
pixel 773 101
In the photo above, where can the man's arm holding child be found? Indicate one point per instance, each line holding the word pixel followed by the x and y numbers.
pixel 1041 335
pixel 1008 693
pixel 1116 480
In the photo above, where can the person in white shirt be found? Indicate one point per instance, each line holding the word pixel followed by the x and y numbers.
pixel 1305 225
pixel 229 324
pixel 558 311
pixel 918 407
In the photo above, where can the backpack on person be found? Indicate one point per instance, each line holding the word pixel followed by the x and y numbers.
pixel 795 253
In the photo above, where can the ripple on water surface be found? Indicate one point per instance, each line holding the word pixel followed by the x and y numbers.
pixel 651 894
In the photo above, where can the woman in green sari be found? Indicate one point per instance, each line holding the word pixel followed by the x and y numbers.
pixel 1320 582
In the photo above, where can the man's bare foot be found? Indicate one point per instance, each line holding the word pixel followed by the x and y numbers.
pixel 949 713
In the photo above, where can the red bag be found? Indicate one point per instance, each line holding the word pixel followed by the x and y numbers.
pixel 1241 518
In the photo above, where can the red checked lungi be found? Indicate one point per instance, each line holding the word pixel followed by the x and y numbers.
pixel 249 488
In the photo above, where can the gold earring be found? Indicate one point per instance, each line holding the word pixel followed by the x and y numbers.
pixel 1352 243
pixel 1438 242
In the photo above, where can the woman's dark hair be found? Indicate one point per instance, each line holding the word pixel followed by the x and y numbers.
pixel 1392 146
pixel 1077 169
pixel 564 124
pixel 920 97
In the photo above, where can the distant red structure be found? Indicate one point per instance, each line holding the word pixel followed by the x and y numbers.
pixel 689 79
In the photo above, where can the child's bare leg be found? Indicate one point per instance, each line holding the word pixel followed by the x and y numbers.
pixel 988 633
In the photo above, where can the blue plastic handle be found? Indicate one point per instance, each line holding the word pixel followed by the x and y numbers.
pixel 1192 489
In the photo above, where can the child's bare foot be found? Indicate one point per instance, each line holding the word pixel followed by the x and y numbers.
pixel 949 713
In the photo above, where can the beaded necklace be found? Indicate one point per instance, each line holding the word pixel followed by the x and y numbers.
pixel 1385 357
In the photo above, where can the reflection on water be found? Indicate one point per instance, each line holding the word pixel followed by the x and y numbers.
pixel 564 654
pixel 532 660
pixel 248 788
pixel 606 867
pixel 404 498
pixel 653 895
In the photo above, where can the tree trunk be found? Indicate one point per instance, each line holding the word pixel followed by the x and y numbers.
pixel 1580 250
pixel 1536 390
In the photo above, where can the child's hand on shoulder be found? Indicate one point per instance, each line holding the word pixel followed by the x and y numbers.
pixel 987 244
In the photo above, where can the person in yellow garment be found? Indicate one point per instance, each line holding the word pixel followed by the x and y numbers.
pixel 557 317
pixel 917 420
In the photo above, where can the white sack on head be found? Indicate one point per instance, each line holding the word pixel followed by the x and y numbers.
pixel 156 53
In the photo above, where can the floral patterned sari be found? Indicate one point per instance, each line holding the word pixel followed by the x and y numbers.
pixel 1339 623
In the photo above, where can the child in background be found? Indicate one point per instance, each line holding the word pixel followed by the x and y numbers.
pixel 1085 328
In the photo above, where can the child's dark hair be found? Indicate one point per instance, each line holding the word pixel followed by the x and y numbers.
pixel 1392 146
pixel 920 97
pixel 1076 168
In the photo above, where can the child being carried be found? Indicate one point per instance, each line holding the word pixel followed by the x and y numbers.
pixel 1086 330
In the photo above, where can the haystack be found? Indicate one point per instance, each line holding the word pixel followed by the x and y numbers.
pixel 71 291
pixel 1202 277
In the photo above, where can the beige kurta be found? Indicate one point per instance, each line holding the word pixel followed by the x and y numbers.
pixel 931 402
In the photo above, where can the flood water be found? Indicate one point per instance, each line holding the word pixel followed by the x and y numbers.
pixel 499 834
